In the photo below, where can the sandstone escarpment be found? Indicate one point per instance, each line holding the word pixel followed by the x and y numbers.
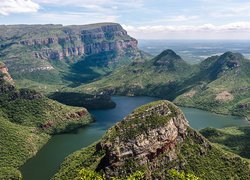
pixel 75 41
pixel 27 49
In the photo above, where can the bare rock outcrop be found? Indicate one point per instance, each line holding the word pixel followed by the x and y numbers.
pixel 5 74
pixel 142 137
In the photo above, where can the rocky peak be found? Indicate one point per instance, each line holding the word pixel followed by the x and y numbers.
pixel 166 58
pixel 230 60
pixel 144 135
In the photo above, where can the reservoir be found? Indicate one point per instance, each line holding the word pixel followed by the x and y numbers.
pixel 47 161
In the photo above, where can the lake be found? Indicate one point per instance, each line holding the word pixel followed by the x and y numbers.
pixel 48 159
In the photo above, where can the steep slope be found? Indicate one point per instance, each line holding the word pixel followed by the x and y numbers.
pixel 153 141
pixel 18 143
pixel 51 54
pixel 234 139
pixel 224 86
pixel 27 120
pixel 162 76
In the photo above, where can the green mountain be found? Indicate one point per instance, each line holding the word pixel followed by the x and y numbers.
pixel 153 142
pixel 47 57
pixel 162 76
pixel 223 86
pixel 28 119
pixel 219 83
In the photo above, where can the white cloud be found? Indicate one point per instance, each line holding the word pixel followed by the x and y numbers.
pixel 237 30
pixel 85 3
pixel 17 6
pixel 75 18
pixel 181 18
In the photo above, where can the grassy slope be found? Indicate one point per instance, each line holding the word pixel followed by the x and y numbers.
pixel 235 81
pixel 195 155
pixel 27 120
pixel 234 139
pixel 29 124
pixel 144 78
pixel 18 143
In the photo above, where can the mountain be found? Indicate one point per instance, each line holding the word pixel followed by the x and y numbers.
pixel 28 119
pixel 56 54
pixel 152 142
pixel 219 83
pixel 161 76
pixel 168 59
pixel 222 86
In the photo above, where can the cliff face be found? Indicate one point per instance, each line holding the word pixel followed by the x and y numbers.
pixel 5 74
pixel 66 53
pixel 62 42
pixel 6 82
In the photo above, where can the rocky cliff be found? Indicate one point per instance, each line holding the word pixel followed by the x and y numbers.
pixel 144 135
pixel 81 40
pixel 5 76
pixel 151 141
pixel 6 82
pixel 28 49
pixel 55 42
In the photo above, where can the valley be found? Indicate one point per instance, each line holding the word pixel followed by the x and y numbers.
pixel 64 88
pixel 219 83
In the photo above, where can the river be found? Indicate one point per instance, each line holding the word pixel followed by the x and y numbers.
pixel 48 159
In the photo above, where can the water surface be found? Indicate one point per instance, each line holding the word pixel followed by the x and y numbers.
pixel 49 158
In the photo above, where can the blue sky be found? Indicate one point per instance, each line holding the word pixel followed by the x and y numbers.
pixel 143 19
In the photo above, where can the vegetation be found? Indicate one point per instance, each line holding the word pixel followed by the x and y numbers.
pixel 18 143
pixel 86 174
pixel 234 139
pixel 7 173
pixel 83 100
pixel 27 120
pixel 174 174
pixel 219 83
pixel 212 163
pixel 144 77
pixel 225 87
pixel 31 109
pixel 138 122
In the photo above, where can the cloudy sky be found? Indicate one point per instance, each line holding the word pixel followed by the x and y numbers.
pixel 143 19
